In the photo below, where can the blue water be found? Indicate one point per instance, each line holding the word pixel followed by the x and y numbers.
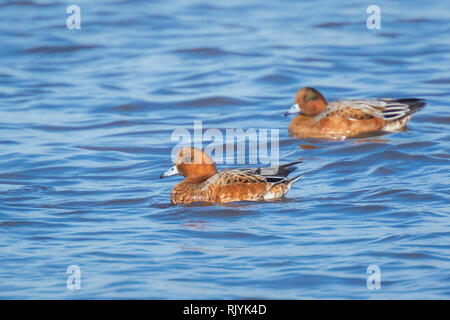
pixel 86 118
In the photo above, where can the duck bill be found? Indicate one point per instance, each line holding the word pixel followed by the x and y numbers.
pixel 171 172
pixel 294 109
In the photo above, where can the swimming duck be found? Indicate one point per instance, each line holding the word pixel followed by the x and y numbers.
pixel 204 183
pixel 348 118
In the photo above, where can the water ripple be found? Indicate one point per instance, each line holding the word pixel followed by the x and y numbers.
pixel 86 122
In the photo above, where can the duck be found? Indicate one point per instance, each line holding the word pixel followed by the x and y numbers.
pixel 204 183
pixel 316 118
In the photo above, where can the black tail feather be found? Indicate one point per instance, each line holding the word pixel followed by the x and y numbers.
pixel 286 169
pixel 400 108
pixel 413 103
pixel 275 174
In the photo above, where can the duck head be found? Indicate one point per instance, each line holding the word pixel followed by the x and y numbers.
pixel 192 163
pixel 308 102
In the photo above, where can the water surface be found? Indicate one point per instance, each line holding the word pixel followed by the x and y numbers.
pixel 86 118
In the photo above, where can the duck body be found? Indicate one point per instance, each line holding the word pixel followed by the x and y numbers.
pixel 203 183
pixel 232 185
pixel 348 118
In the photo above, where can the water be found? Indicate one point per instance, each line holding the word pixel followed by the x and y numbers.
pixel 86 118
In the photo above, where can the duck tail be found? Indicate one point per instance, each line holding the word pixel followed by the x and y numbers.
pixel 286 184
pixel 413 104
pixel 293 180
pixel 401 108
pixel 280 188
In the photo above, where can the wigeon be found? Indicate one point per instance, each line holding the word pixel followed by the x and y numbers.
pixel 203 183
pixel 348 118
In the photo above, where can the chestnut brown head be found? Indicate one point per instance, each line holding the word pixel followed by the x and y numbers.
pixel 192 163
pixel 308 102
